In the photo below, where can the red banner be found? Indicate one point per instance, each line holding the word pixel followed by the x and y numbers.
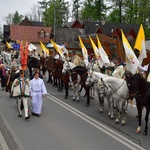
pixel 24 54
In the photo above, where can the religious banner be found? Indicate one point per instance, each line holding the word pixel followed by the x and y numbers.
pixel 24 54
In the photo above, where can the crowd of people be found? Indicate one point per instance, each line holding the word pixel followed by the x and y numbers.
pixel 21 86
pixel 24 87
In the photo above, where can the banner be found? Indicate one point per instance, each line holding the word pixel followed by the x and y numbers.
pixel 132 62
pixel 84 52
pixel 140 45
pixel 102 52
pixel 24 54
pixel 97 53
pixel 44 48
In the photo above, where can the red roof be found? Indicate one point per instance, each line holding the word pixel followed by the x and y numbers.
pixel 30 33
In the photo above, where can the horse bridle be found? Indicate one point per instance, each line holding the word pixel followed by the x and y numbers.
pixel 115 89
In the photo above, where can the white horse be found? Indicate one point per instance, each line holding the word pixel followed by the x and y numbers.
pixel 7 59
pixel 67 67
pixel 114 89
pixel 118 93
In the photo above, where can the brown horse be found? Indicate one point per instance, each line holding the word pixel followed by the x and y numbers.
pixel 48 65
pixel 83 73
pixel 139 89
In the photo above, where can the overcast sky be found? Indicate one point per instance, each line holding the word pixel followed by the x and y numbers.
pixel 10 6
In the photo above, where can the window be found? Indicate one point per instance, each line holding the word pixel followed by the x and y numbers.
pixel 129 37
pixel 42 34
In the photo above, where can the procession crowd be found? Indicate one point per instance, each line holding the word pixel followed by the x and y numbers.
pixel 20 85
pixel 24 86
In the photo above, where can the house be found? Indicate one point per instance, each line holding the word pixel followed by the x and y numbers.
pixel 68 37
pixel 109 35
pixel 34 32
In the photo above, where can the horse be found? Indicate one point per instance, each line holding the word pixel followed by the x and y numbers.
pixel 48 65
pixel 116 91
pixel 139 89
pixel 57 73
pixel 32 63
pixel 80 73
pixel 92 81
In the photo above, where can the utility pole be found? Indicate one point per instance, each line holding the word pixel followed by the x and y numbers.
pixel 54 19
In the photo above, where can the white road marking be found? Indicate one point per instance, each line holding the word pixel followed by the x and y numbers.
pixel 3 143
pixel 118 137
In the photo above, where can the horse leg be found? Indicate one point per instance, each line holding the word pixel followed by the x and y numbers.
pixel 87 89
pixel 101 103
pixel 66 90
pixel 118 111
pixel 49 76
pixel 61 84
pixel 74 91
pixel 146 119
pixel 111 107
pixel 58 84
pixel 138 130
pixel 124 110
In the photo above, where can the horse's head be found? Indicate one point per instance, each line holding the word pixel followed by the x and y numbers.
pixel 67 66
pixel 134 83
pixel 102 88
pixel 90 81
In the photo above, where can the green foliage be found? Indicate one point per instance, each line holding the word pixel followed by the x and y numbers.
pixel 55 12
pixel 76 8
pixel 93 10
pixel 113 16
pixel 17 18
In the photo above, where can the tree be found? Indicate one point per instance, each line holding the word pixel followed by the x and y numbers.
pixel 13 18
pixel 9 18
pixel 17 18
pixel 35 13
pixel 76 6
pixel 94 10
pixel 56 13
pixel 114 16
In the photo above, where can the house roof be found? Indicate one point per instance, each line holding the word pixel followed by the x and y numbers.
pixel 107 28
pixel 68 35
pixel 30 33
pixel 26 22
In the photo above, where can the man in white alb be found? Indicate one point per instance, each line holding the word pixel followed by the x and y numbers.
pixel 37 91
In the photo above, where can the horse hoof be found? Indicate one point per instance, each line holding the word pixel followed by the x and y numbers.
pixel 73 99
pixel 87 105
pixel 65 97
pixel 123 123
pixel 111 117
pixel 109 114
pixel 145 133
pixel 100 110
pixel 138 131
pixel 77 100
pixel 116 122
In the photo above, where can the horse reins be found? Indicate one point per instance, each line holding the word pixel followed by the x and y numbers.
pixel 116 89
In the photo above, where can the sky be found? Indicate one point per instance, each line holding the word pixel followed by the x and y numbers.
pixel 10 6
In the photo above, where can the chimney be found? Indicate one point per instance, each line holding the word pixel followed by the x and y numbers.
pixel 103 22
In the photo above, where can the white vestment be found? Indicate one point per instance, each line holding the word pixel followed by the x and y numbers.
pixel 37 90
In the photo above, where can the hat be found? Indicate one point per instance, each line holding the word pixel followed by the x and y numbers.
pixel 73 52
pixel 21 72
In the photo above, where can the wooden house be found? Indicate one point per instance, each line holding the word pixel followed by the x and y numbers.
pixel 34 32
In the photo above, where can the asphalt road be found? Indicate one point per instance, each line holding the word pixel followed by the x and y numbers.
pixel 67 125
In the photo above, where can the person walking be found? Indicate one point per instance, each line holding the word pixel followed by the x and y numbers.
pixel 3 75
pixel 20 90
pixel 37 91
